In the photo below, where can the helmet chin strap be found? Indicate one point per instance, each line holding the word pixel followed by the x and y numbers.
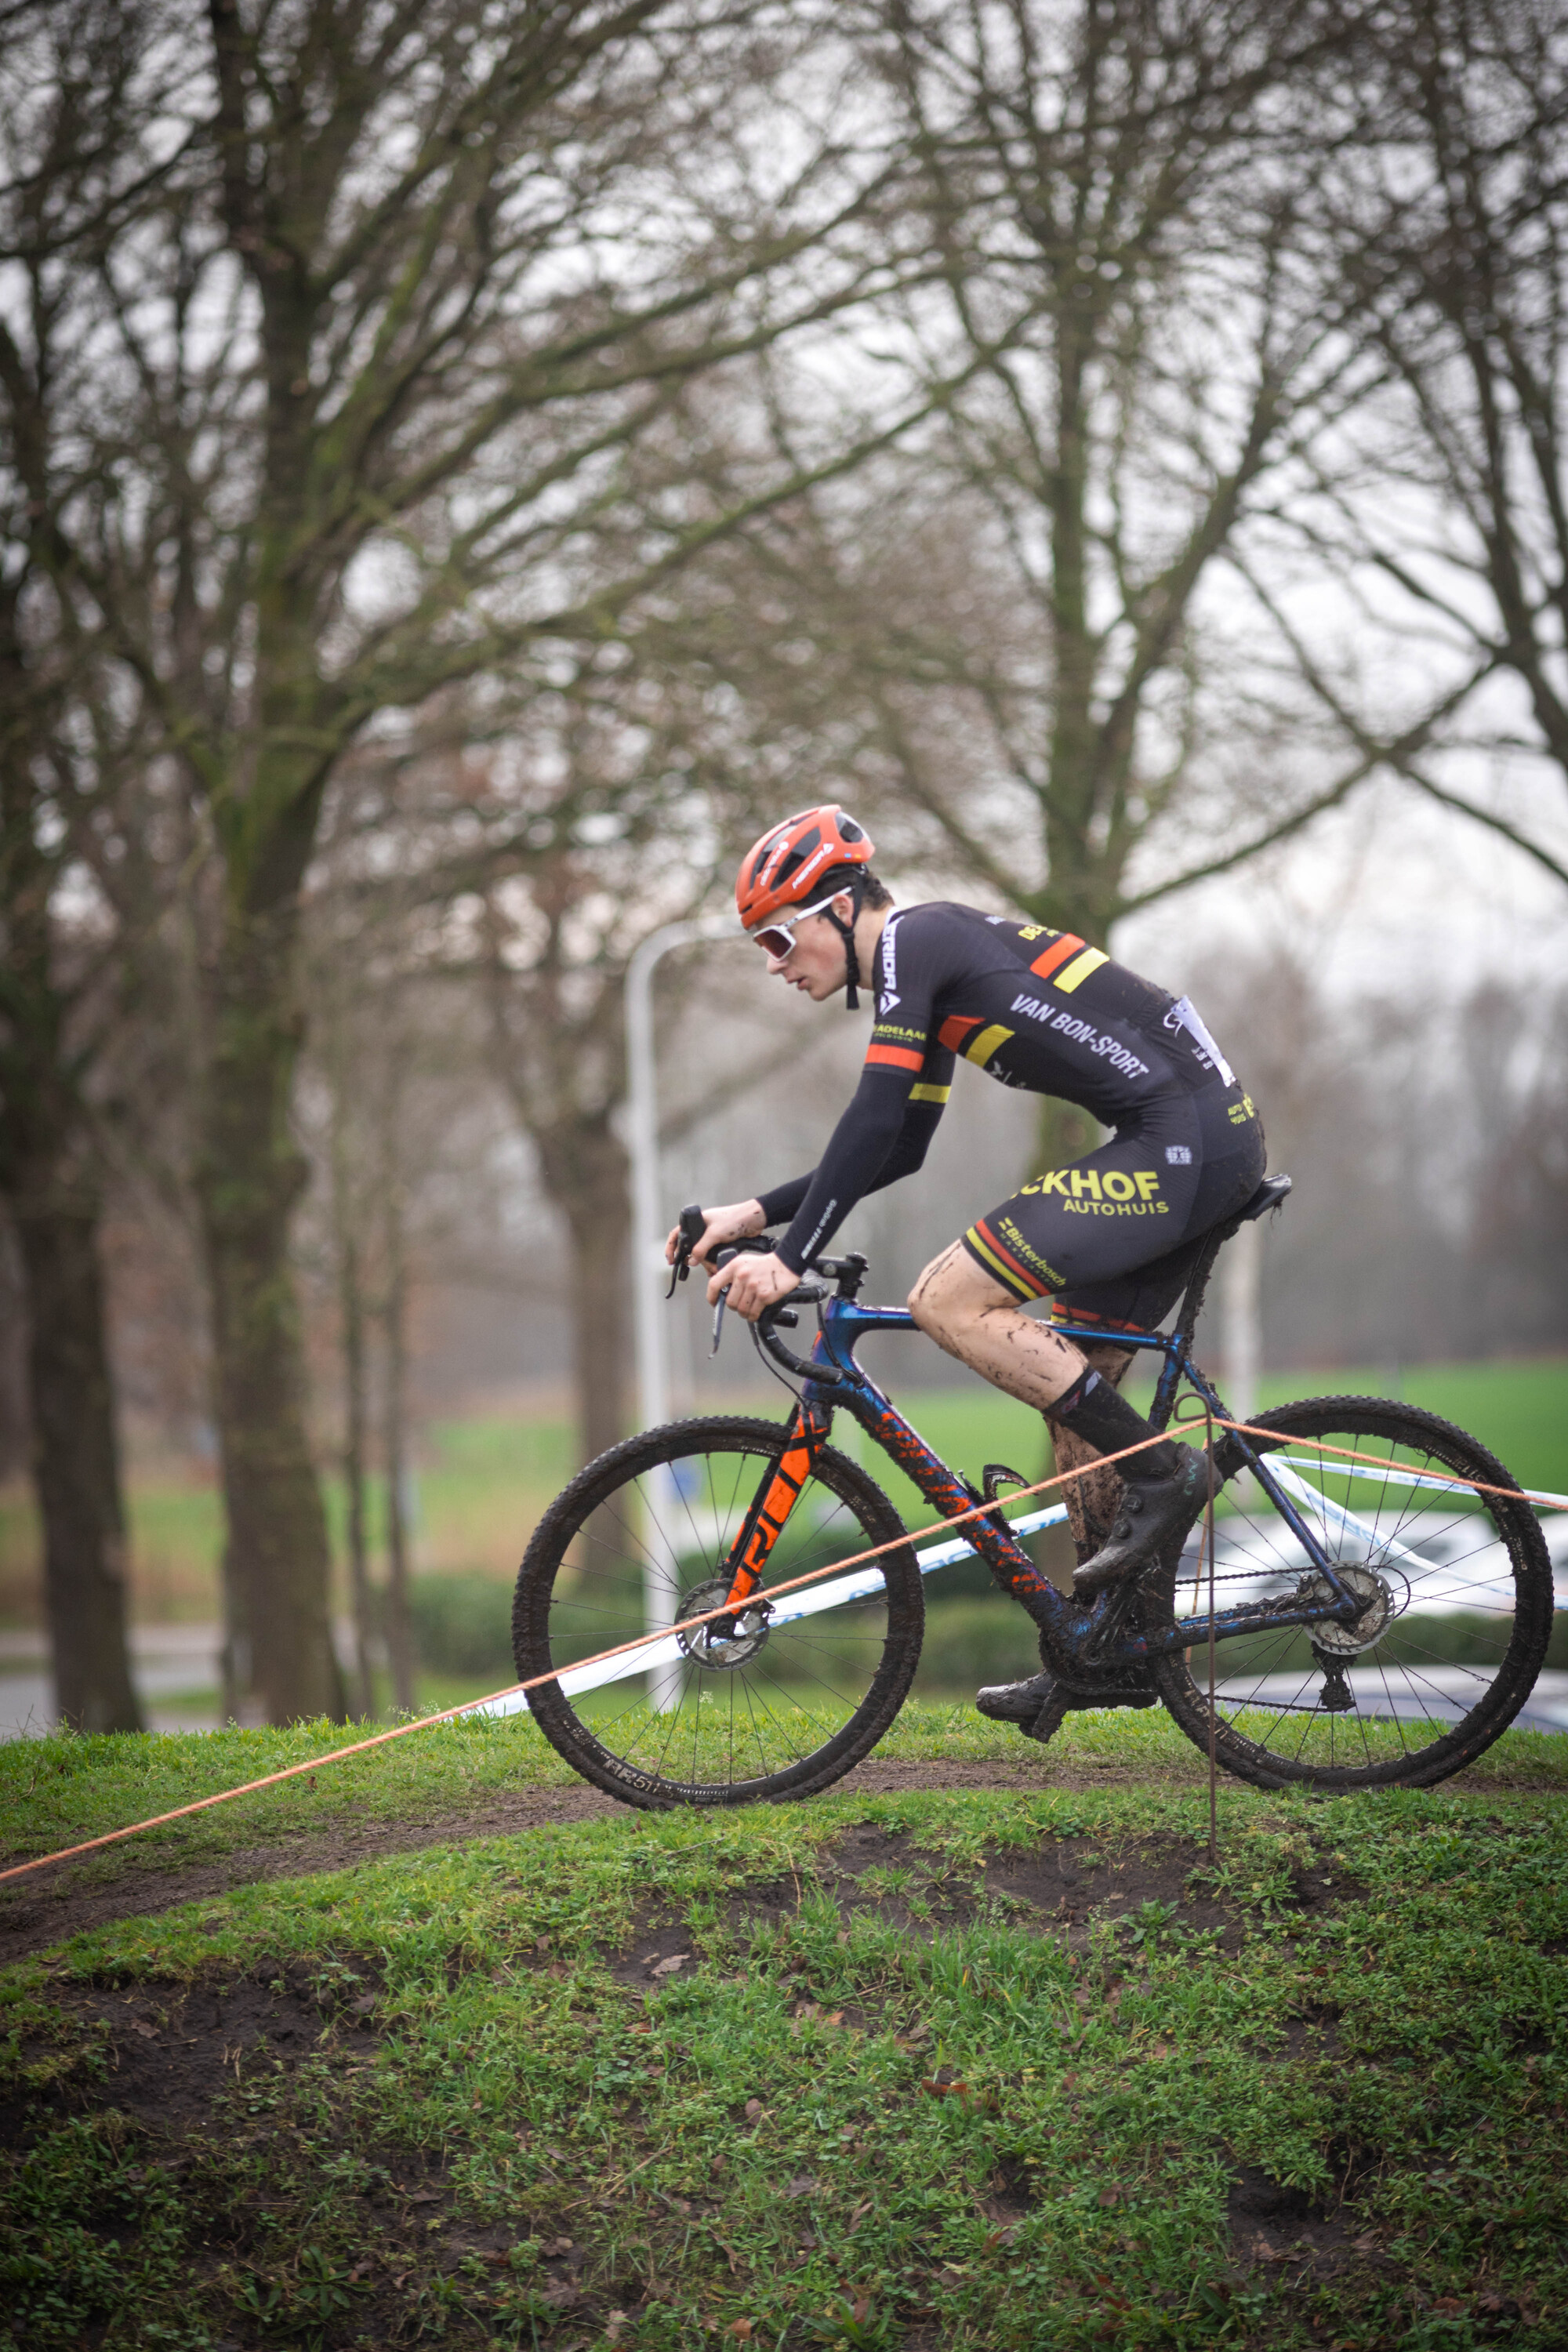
pixel 846 931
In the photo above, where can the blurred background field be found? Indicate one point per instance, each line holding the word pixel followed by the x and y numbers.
pixel 482 1481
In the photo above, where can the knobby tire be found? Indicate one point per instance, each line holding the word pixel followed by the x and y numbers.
pixel 788 1732
pixel 1285 1740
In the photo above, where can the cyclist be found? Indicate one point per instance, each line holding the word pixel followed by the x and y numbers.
pixel 1110 1238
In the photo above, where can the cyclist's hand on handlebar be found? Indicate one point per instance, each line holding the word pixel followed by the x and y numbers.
pixel 735 1223
pixel 752 1283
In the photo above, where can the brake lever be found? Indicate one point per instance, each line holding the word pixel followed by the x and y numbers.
pixel 722 1257
pixel 691 1225
pixel 738 1249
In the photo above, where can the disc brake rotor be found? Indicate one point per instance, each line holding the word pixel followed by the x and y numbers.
pixel 727 1642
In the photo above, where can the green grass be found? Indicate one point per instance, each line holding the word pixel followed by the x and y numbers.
pixel 484 1482
pixel 955 2125
pixel 61 1790
pixel 1518 1410
pixel 482 1486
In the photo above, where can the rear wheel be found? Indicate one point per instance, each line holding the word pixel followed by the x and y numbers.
pixel 780 1704
pixel 1457 1590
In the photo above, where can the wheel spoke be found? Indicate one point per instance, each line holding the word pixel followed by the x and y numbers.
pixel 767 1707
pixel 1445 1576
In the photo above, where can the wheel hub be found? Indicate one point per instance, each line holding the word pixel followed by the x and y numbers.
pixel 1370 1623
pixel 727 1642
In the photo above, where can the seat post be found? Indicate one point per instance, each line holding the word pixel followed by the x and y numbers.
pixel 1199 1282
pixel 1270 1195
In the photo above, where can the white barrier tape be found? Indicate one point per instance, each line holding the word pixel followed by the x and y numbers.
pixel 785 1611
pixel 845 1588
pixel 1398 1475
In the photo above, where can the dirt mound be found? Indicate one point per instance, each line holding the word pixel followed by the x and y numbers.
pixel 38 1913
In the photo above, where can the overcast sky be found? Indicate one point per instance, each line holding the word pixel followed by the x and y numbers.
pixel 1391 893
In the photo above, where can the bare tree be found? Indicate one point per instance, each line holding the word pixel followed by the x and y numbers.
pixel 52 1180
pixel 1108 197
pixel 71 961
pixel 418 280
pixel 395 1062
pixel 1444 215
pixel 620 767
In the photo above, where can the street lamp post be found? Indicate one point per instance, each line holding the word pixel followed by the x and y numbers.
pixel 660 1567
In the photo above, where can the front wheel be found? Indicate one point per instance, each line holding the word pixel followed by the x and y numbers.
pixel 780 1703
pixel 1456 1586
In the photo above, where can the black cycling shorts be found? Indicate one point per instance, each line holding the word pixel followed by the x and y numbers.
pixel 1114 1237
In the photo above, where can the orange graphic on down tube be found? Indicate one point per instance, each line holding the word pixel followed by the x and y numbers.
pixel 768 1519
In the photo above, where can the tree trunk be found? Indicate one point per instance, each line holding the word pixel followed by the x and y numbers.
pixel 48 1175
pixel 75 1467
pixel 16 1435
pixel 587 1176
pixel 249 1177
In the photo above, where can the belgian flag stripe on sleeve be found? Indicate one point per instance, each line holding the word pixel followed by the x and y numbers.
pixel 990 1041
pixel 1052 958
pixel 1079 970
pixel 896 1057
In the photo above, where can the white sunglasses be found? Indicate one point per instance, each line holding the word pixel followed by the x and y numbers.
pixel 777 940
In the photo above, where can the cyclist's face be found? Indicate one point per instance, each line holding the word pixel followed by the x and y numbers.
pixel 815 963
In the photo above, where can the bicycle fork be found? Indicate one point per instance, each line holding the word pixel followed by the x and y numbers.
pixel 805 1438
pixel 805 1433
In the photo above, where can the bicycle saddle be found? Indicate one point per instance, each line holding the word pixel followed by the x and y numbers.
pixel 1269 1194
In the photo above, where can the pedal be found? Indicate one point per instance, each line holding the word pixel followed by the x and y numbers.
pixel 1048 1721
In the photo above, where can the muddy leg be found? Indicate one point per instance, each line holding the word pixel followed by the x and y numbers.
pixel 1091 1501
pixel 972 1317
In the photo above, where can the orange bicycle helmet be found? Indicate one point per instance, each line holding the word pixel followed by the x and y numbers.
pixel 789 863
pixel 808 857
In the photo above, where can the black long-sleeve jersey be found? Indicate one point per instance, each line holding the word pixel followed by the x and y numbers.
pixel 1032 1007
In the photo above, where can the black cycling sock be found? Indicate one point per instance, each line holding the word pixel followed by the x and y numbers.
pixel 1102 1417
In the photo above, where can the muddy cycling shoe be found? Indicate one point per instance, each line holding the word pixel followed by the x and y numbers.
pixel 1039 1708
pixel 1015 1702
pixel 1152 1510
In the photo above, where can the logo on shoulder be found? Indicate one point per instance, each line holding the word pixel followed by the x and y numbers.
pixel 890 960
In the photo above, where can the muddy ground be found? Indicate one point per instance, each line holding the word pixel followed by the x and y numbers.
pixel 61 1901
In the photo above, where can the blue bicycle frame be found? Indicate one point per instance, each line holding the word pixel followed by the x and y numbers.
pixel 1094 1633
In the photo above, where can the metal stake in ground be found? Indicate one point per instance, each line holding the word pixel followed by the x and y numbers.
pixel 1208 1539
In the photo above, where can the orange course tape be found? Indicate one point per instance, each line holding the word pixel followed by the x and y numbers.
pixel 690 1624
